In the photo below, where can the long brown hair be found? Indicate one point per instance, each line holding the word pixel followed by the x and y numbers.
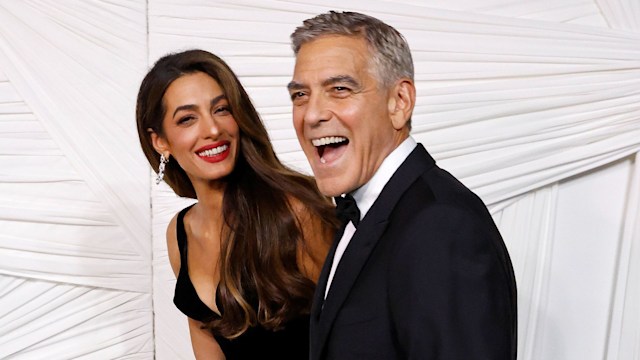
pixel 260 282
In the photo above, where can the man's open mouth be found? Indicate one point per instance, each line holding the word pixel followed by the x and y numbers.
pixel 328 146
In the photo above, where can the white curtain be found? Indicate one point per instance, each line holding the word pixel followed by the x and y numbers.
pixel 535 105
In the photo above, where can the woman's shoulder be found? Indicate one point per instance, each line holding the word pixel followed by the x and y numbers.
pixel 296 205
pixel 173 245
pixel 315 239
pixel 305 214
pixel 173 250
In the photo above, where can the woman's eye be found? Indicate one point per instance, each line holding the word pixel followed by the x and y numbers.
pixel 185 119
pixel 222 110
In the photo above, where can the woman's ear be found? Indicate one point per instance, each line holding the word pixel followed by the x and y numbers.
pixel 402 99
pixel 159 143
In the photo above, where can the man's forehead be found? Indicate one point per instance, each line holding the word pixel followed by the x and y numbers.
pixel 323 61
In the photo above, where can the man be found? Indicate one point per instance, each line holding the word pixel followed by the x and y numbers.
pixel 421 272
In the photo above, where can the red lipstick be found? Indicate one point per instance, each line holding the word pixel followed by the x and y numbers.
pixel 215 152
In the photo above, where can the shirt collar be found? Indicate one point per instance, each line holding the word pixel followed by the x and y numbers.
pixel 367 194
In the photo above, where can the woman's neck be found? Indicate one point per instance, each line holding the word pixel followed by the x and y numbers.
pixel 208 210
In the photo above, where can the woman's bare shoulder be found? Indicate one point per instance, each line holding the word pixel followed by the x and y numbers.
pixel 316 239
pixel 173 251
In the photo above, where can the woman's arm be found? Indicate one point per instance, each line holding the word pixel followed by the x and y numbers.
pixel 205 346
pixel 316 242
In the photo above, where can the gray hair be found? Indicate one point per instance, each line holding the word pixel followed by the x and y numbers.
pixel 391 55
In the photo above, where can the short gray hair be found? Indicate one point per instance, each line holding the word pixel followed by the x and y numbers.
pixel 391 55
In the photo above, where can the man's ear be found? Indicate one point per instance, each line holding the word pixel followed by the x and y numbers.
pixel 402 99
pixel 159 143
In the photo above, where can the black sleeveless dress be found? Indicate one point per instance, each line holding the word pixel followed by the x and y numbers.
pixel 292 342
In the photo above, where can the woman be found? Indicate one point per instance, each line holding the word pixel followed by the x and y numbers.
pixel 248 253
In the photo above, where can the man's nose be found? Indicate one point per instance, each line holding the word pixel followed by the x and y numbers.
pixel 318 110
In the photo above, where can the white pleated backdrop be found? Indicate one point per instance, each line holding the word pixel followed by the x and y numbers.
pixel 534 104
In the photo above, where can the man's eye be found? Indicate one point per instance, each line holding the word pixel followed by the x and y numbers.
pixel 297 95
pixel 341 91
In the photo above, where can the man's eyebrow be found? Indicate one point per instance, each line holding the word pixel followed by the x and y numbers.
pixel 344 79
pixel 294 86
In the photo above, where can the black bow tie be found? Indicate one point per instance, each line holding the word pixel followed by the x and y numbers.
pixel 347 210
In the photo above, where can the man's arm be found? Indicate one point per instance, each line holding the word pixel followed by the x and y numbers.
pixel 449 295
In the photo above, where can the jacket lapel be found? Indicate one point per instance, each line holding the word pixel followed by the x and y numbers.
pixel 362 243
pixel 318 296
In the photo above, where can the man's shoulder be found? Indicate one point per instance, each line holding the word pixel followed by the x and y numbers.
pixel 421 191
pixel 446 190
pixel 437 199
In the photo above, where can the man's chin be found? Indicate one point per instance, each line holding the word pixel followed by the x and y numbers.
pixel 329 187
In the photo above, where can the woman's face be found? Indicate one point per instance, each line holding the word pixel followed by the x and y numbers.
pixel 200 132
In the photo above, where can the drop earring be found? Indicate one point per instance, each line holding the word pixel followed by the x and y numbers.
pixel 163 162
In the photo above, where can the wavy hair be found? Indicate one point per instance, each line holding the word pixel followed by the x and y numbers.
pixel 391 56
pixel 260 282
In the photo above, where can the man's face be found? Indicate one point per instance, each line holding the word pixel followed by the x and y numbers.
pixel 341 113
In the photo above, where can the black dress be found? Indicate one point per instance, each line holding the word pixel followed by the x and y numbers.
pixel 292 342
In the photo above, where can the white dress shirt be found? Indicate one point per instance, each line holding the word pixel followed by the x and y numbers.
pixel 367 194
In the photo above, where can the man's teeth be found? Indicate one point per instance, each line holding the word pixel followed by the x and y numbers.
pixel 214 151
pixel 328 140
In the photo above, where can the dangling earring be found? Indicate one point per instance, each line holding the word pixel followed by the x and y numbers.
pixel 163 162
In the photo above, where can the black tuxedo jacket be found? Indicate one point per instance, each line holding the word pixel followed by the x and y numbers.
pixel 426 276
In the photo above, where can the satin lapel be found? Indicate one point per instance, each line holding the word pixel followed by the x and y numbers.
pixel 369 231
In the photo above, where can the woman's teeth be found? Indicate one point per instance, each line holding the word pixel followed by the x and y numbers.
pixel 214 151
